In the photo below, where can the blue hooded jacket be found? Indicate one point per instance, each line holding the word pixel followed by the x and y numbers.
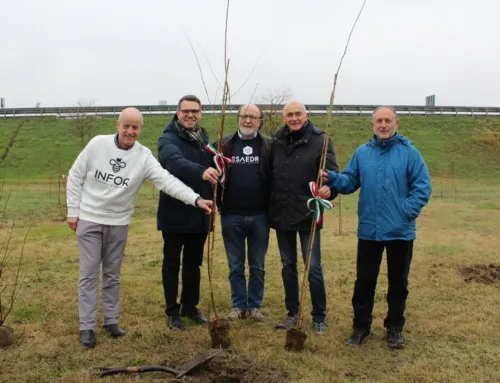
pixel 395 186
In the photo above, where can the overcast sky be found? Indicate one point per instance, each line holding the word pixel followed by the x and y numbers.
pixel 121 52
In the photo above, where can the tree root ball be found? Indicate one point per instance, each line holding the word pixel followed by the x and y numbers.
pixel 295 340
pixel 6 336
pixel 219 334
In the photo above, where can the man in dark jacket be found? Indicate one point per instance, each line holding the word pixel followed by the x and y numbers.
pixel 395 186
pixel 243 204
pixel 181 150
pixel 296 153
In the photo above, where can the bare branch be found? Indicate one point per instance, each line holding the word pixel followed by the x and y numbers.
pixel 211 70
pixel 17 285
pixel 83 124
pixel 199 68
pixel 319 179
pixel 226 62
pixel 3 261
pixel 250 75
pixel 350 34
pixel 211 232
pixel 253 93
pixel 5 208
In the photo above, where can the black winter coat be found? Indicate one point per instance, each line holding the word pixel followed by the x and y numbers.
pixel 294 165
pixel 187 161
pixel 265 169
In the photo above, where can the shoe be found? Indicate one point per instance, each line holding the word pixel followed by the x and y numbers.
pixel 319 327
pixel 289 322
pixel 87 338
pixel 175 323
pixel 235 314
pixel 395 338
pixel 358 336
pixel 194 314
pixel 114 330
pixel 256 315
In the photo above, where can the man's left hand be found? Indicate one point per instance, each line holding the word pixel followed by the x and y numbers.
pixel 325 192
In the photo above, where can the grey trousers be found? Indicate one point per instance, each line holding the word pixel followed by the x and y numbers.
pixel 99 243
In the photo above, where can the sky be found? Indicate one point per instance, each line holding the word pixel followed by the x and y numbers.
pixel 121 52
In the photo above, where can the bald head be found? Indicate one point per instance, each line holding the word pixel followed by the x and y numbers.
pixel 131 113
pixel 295 115
pixel 295 105
pixel 129 127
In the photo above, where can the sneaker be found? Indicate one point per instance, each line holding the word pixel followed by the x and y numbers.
pixel 194 314
pixel 236 314
pixel 289 322
pixel 175 323
pixel 395 338
pixel 256 315
pixel 319 327
pixel 358 336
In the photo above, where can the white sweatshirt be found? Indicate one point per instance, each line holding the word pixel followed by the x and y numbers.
pixel 104 181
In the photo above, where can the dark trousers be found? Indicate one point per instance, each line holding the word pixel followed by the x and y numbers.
pixel 192 258
pixel 399 254
pixel 287 243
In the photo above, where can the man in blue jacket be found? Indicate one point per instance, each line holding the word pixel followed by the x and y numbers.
pixel 181 150
pixel 395 186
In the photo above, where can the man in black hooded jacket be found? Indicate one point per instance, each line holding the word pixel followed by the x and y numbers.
pixel 296 153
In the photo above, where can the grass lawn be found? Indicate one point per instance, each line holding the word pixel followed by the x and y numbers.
pixel 452 325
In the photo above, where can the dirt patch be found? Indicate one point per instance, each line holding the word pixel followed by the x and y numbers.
pixel 219 334
pixel 295 340
pixel 6 336
pixel 228 367
pixel 480 273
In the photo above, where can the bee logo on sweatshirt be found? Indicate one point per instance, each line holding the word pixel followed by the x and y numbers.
pixel 117 164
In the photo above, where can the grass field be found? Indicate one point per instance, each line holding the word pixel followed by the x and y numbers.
pixel 452 325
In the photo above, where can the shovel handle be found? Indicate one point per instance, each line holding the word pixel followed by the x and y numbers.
pixel 105 371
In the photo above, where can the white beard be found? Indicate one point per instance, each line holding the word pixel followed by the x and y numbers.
pixel 247 132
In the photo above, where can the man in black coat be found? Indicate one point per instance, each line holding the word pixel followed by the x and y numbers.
pixel 181 150
pixel 296 153
pixel 243 203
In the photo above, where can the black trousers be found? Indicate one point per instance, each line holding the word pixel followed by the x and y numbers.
pixel 192 257
pixel 399 255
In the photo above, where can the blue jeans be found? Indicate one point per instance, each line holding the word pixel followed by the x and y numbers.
pixel 255 229
pixel 287 243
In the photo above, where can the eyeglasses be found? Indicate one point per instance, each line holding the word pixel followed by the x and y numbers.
pixel 250 117
pixel 186 112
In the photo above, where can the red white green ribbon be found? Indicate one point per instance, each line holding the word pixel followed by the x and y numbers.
pixel 314 204
pixel 220 162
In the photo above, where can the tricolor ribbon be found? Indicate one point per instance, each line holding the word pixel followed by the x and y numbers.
pixel 314 204
pixel 220 162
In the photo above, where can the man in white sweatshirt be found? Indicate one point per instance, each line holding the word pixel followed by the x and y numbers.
pixel 102 186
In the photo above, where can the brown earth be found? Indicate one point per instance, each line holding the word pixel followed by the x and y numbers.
pixel 228 367
pixel 480 273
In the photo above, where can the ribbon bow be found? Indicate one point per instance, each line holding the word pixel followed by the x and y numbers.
pixel 220 162
pixel 314 204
